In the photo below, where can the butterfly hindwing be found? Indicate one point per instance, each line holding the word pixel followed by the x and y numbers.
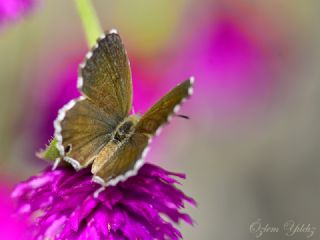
pixel 124 162
pixel 105 76
pixel 160 112
pixel 81 130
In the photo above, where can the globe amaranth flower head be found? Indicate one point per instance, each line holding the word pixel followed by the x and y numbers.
pixel 65 204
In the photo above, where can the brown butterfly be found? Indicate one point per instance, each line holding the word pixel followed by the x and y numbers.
pixel 96 129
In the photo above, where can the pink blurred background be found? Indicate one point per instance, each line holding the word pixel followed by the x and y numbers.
pixel 250 147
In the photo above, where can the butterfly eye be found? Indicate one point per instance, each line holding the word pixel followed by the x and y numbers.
pixel 68 148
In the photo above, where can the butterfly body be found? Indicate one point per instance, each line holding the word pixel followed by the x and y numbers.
pixel 125 129
pixel 96 129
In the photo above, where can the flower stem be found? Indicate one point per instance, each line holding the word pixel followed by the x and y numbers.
pixel 89 20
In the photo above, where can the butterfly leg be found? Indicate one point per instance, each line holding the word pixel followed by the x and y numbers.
pixel 56 163
pixel 98 191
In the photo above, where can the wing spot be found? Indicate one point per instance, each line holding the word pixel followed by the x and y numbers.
pixel 176 108
pixel 190 90
pixel 98 180
pixel 145 152
pixel 89 55
pixel 75 164
pixel 82 65
pixel 80 82
pixel 192 79
pixel 68 148
pixel 103 36
pixel 113 31
pixel 159 130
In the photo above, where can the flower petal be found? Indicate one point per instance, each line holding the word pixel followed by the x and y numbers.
pixel 61 204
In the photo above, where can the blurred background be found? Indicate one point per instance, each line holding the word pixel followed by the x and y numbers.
pixel 250 149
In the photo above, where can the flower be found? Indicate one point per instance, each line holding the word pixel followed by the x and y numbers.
pixel 11 226
pixel 65 204
pixel 239 70
pixel 11 10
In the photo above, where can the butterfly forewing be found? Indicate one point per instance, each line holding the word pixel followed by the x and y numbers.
pixel 160 112
pixel 85 126
pixel 105 77
pixel 82 131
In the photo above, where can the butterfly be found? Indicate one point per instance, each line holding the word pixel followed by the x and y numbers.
pixel 97 129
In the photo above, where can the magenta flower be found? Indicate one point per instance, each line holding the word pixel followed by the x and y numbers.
pixel 65 204
pixel 239 67
pixel 11 226
pixel 11 10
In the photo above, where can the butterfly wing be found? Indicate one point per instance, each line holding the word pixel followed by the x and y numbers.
pixel 81 130
pixel 105 77
pixel 126 159
pixel 84 125
pixel 160 113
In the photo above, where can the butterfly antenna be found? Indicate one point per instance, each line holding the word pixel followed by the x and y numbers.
pixel 182 116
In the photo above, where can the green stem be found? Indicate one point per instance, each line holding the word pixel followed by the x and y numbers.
pixel 89 20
